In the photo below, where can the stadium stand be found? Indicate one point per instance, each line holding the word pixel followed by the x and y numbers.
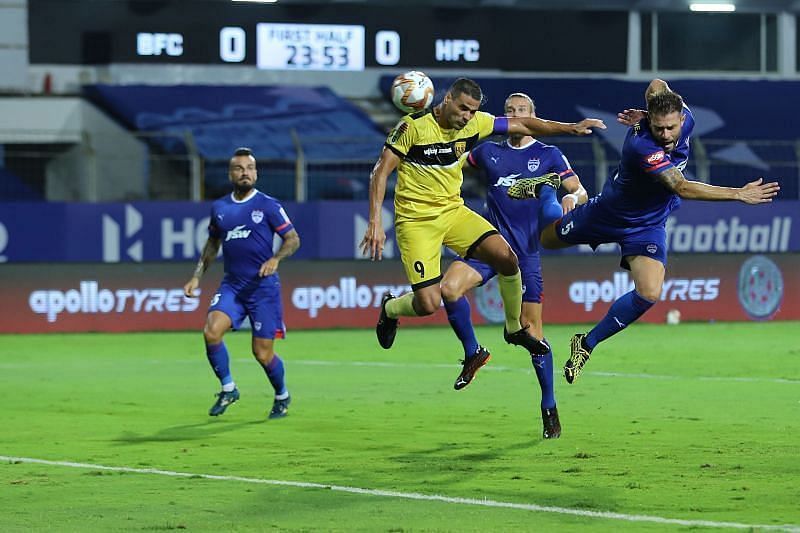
pixel 287 128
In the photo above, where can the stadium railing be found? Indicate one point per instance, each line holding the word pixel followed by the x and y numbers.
pixel 39 165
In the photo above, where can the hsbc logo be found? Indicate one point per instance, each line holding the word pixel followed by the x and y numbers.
pixel 360 227
pixel 123 237
pixel 117 237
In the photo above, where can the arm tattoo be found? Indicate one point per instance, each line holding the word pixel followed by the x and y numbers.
pixel 210 251
pixel 291 242
pixel 671 178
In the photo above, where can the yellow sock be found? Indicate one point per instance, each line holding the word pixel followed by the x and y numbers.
pixel 404 306
pixel 511 293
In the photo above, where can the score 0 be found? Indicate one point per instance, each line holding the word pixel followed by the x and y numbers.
pixel 232 44
pixel 387 47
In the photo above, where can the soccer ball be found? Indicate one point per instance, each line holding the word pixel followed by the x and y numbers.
pixel 412 91
pixel 673 317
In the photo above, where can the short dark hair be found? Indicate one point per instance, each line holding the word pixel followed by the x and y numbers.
pixel 664 103
pixel 244 151
pixel 468 87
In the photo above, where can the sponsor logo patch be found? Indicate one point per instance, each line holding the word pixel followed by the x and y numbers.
pixel 655 157
pixel 238 233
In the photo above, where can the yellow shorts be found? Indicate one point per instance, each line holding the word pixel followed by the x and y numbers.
pixel 420 242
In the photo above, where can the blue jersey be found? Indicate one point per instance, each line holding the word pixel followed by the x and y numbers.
pixel 634 197
pixel 246 229
pixel 517 220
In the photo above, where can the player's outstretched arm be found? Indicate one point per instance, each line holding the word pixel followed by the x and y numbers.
pixel 290 244
pixel 755 192
pixel 374 238
pixel 538 127
pixel 758 192
pixel 210 251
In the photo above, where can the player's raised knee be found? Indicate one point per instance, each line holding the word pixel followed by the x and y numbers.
pixel 427 304
pixel 652 294
pixel 211 335
pixel 507 262
pixel 451 290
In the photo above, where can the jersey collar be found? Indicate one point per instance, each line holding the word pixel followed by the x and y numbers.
pixel 534 141
pixel 246 198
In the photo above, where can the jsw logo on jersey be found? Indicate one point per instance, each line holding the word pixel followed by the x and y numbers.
pixel 238 233
pixel 506 181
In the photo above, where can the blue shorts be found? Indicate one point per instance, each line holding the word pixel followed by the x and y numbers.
pixel 586 224
pixel 529 266
pixel 261 305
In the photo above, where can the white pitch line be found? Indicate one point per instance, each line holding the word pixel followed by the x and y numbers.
pixel 500 368
pixel 417 496
pixel 489 368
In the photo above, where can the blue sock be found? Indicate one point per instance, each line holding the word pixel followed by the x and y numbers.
pixel 218 358
pixel 549 207
pixel 543 365
pixel 458 314
pixel 275 373
pixel 624 311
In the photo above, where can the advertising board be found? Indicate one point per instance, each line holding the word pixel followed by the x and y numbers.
pixel 78 297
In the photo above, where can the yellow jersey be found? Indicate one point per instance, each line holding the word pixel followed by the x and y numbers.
pixel 429 176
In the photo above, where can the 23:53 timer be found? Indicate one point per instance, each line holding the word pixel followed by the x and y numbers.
pixel 329 56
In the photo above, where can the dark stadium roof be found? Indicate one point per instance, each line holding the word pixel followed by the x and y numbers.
pixel 748 6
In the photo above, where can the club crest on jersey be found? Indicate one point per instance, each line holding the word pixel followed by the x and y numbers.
pixel 533 164
pixel 459 148
pixel 257 215
pixel 655 157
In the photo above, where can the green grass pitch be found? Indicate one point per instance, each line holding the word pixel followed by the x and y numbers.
pixel 670 428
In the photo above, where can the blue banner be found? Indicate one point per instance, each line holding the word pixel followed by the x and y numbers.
pixel 176 231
